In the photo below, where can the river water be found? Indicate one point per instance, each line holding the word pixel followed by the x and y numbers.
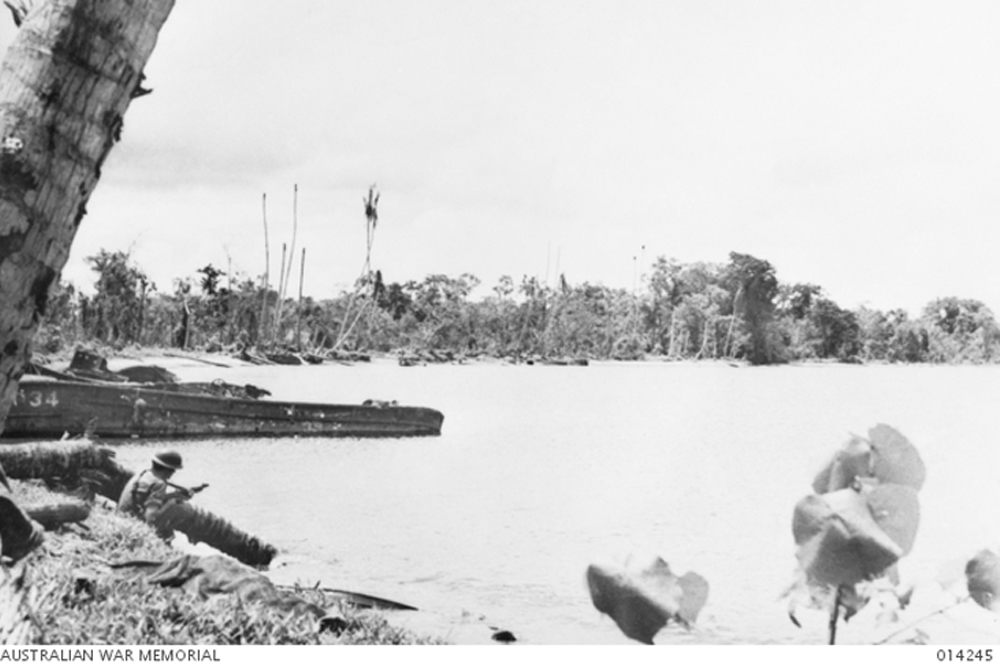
pixel 542 470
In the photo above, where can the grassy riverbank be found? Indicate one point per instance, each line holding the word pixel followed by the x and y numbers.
pixel 76 598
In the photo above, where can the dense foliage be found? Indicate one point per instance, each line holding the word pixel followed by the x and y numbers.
pixel 737 310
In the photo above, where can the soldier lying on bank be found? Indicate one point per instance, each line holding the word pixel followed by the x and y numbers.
pixel 150 492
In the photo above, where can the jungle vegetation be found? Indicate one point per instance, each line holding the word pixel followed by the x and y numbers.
pixel 739 310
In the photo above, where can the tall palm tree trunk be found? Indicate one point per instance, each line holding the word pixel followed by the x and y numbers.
pixel 65 84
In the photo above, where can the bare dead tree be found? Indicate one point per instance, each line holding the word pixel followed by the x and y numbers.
pixel 364 282
pixel 298 317
pixel 262 325
pixel 286 271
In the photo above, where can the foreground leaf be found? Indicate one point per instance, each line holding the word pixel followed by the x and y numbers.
pixel 851 461
pixel 982 575
pixel 887 456
pixel 896 509
pixel 840 542
pixel 642 600
pixel 896 460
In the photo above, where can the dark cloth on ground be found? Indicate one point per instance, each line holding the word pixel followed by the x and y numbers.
pixel 205 576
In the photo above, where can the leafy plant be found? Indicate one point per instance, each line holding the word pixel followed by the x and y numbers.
pixel 642 598
pixel 982 574
pixel 116 314
pixel 862 518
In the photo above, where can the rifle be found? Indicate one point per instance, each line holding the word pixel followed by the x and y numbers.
pixel 189 493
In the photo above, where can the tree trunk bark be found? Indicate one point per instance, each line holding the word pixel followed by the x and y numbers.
pixel 73 460
pixel 65 84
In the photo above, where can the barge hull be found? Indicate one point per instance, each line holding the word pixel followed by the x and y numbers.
pixel 47 408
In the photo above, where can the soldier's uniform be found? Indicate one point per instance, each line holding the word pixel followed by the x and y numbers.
pixel 148 494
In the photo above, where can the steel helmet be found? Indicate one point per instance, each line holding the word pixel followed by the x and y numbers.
pixel 168 459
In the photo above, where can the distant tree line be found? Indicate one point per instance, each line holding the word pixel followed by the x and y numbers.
pixel 738 310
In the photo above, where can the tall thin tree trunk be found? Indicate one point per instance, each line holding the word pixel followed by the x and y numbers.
pixel 671 346
pixel 298 319
pixel 227 327
pixel 262 325
pixel 286 272
pixel 65 84
pixel 732 323
pixel 295 231
pixel 276 324
pixel 186 326
pixel 704 341
pixel 142 311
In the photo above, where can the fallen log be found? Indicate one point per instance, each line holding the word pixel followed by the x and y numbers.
pixel 194 358
pixel 44 459
pixel 54 515
pixel 73 463
pixel 284 358
pixel 200 525
pixel 340 355
pixel 253 358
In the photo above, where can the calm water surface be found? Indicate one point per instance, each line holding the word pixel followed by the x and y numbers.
pixel 543 470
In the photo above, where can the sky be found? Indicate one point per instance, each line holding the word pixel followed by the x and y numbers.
pixel 853 145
